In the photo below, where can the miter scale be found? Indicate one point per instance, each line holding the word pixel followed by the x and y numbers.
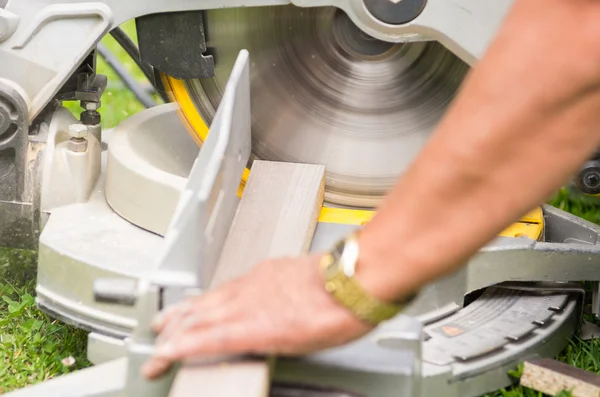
pixel 358 88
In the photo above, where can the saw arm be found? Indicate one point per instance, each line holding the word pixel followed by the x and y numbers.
pixel 39 63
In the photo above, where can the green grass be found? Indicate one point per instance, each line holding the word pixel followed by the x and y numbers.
pixel 585 207
pixel 32 344
pixel 35 347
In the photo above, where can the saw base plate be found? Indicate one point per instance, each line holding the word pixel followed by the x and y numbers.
pixel 464 355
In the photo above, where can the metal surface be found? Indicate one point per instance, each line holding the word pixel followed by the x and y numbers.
pixel 385 363
pixel 102 348
pixel 588 178
pixel 198 230
pixel 17 227
pixel 595 303
pixel 350 368
pixel 209 201
pixel 150 156
pixel 86 242
pixel 380 365
pixel 77 145
pixel 78 142
pixel 568 253
pixel 490 372
pixel 19 171
pixel 116 291
pixel 395 12
pixel 324 92
pixel 78 130
pixel 488 324
pixel 13 141
pixel 589 331
pixel 71 165
pixel 8 22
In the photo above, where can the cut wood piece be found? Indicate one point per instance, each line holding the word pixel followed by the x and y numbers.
pixel 551 377
pixel 222 379
pixel 276 217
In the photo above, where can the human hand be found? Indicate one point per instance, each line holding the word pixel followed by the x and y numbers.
pixel 280 307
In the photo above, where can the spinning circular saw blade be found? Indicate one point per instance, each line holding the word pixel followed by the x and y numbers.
pixel 324 92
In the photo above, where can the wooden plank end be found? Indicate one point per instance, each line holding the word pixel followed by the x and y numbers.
pixel 552 377
pixel 244 377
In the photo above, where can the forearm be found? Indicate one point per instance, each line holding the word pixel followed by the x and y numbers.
pixel 526 118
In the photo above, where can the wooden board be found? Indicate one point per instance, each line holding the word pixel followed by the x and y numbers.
pixel 231 377
pixel 276 217
pixel 551 377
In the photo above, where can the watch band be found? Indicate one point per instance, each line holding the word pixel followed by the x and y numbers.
pixel 338 269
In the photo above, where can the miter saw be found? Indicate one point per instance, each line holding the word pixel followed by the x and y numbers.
pixel 124 219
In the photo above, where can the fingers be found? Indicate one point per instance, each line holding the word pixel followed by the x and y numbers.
pixel 168 314
pixel 258 313
pixel 185 325
pixel 155 367
pixel 196 319
pixel 173 315
pixel 225 340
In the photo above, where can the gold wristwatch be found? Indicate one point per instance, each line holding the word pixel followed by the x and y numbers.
pixel 338 267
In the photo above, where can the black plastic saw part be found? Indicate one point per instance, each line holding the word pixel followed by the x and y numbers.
pixel 395 12
pixel 175 44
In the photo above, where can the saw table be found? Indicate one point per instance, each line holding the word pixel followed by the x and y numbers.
pixel 130 220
